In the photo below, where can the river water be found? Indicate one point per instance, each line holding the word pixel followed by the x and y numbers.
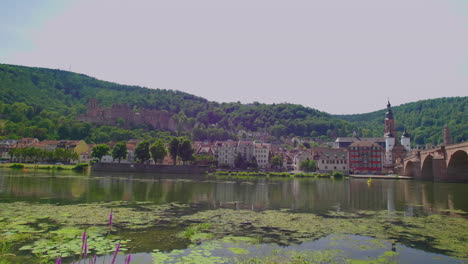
pixel 287 219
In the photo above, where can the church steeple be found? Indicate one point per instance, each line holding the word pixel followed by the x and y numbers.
pixel 389 114
pixel 389 122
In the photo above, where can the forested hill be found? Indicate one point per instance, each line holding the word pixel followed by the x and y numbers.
pixel 44 103
pixel 424 120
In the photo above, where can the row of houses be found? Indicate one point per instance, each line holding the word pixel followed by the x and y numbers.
pixel 348 154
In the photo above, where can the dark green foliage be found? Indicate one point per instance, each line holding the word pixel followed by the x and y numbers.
pixel 185 150
pixel 142 151
pixel 31 154
pixel 277 162
pixel 17 166
pixel 81 167
pixel 100 151
pixel 174 149
pixel 48 101
pixel 119 151
pixel 308 165
pixel 158 150
pixel 203 159
pixel 44 103
pixel 240 162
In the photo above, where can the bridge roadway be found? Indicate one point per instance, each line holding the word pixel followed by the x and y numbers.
pixel 444 163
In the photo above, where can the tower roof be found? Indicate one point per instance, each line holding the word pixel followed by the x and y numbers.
pixel 389 114
pixel 405 134
pixel 389 135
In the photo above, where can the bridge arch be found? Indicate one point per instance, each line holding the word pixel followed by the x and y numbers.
pixel 411 169
pixel 457 168
pixel 427 172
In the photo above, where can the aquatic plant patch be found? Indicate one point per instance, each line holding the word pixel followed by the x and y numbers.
pixel 53 231
pixel 437 233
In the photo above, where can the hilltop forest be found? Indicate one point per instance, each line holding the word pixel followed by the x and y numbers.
pixel 44 103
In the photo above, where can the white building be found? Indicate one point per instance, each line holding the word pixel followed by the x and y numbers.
pixel 225 152
pixel 332 160
pixel 262 154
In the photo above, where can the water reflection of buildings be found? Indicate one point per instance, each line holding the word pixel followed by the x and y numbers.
pixel 305 195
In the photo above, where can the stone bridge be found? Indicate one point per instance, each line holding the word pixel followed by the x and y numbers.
pixel 444 163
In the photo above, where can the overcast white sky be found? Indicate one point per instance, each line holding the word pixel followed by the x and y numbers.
pixel 338 56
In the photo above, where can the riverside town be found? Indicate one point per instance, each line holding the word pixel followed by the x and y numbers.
pixel 233 132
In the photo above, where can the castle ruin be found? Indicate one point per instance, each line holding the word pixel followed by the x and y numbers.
pixel 111 116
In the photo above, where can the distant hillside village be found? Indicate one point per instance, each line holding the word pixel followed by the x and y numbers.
pixel 377 155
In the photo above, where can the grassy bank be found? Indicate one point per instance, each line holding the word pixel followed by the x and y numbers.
pixel 279 174
pixel 29 166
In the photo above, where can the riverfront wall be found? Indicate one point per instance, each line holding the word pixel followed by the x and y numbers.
pixel 149 168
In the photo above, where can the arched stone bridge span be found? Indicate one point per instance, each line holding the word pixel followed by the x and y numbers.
pixel 444 163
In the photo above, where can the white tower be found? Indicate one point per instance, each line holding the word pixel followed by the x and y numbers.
pixel 389 141
pixel 389 144
pixel 406 141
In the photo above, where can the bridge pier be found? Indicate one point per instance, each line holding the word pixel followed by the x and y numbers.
pixel 439 170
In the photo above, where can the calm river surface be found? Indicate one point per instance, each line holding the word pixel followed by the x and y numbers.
pixel 209 219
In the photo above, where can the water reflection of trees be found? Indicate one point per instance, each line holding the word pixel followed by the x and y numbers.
pixel 305 195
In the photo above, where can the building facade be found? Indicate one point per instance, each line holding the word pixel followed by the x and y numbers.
pixel 329 160
pixel 365 157
pixel 262 154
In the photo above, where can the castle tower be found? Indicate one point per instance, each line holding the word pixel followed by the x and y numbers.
pixel 447 138
pixel 406 141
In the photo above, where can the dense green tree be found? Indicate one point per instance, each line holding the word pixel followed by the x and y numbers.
pixel 240 162
pixel 174 146
pixel 186 150
pixel 119 151
pixel 142 151
pixel 277 162
pixel 158 150
pixel 100 151
pixel 308 165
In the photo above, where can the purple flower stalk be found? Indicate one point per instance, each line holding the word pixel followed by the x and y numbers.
pixel 83 237
pixel 59 261
pixel 117 248
pixel 127 259
pixel 110 220
pixel 84 244
pixel 94 259
pixel 85 250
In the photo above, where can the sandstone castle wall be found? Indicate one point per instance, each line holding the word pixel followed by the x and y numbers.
pixel 110 116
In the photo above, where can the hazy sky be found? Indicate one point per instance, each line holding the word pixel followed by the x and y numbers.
pixel 338 56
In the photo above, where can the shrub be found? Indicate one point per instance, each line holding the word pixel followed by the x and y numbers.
pixel 17 166
pixel 337 174
pixel 80 166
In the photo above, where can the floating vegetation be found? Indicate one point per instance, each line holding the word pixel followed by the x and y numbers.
pixel 437 233
pixel 278 174
pixel 52 231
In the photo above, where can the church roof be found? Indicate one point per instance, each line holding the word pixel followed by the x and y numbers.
pixel 358 139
